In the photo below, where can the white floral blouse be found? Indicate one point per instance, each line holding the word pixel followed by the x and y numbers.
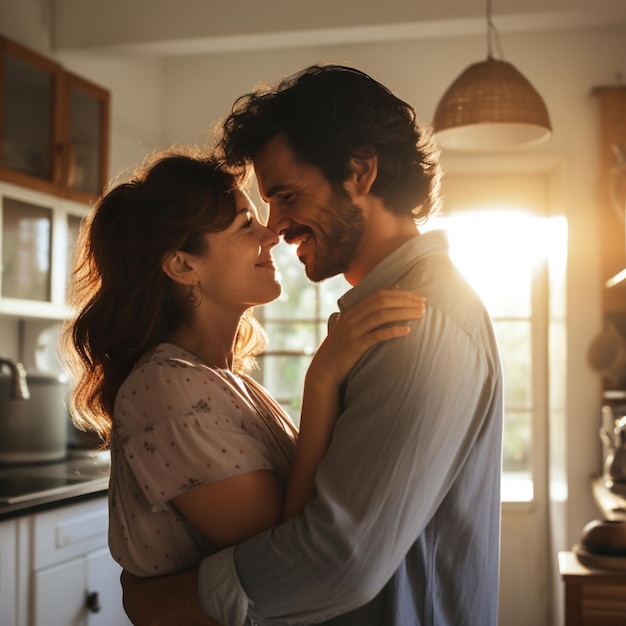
pixel 178 424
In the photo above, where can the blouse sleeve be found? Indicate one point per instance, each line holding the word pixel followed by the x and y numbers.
pixel 192 433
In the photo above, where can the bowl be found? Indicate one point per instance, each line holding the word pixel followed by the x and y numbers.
pixel 607 537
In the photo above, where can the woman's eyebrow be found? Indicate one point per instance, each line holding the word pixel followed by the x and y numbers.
pixel 246 212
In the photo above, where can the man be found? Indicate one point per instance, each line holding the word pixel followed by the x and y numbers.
pixel 404 530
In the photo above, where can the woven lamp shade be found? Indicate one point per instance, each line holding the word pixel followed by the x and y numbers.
pixel 491 106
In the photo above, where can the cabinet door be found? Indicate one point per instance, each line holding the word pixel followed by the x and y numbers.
pixel 8 563
pixel 26 250
pixel 54 126
pixel 85 157
pixel 37 244
pixel 104 591
pixel 30 87
pixel 59 595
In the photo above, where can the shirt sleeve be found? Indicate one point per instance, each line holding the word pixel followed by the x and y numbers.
pixel 413 409
pixel 188 415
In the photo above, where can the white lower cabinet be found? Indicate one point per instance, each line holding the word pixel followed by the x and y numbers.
pixel 58 594
pixel 71 578
pixel 104 593
pixel 8 564
pixel 80 592
pixel 75 580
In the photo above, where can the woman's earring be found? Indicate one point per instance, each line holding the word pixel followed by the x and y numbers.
pixel 194 297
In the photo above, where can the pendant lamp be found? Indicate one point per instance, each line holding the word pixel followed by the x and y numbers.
pixel 491 106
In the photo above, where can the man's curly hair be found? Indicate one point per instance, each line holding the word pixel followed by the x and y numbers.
pixel 329 113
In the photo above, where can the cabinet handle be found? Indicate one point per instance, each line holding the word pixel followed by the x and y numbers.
pixel 93 602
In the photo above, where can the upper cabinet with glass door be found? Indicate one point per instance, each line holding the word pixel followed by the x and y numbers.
pixel 54 126
pixel 39 236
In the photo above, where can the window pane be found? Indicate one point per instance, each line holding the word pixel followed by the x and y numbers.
pixel 299 298
pixel 516 446
pixel 330 291
pixel 515 352
pixel 494 254
pixel 283 377
pixel 291 336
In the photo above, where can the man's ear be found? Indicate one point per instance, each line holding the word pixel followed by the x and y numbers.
pixel 364 169
pixel 176 265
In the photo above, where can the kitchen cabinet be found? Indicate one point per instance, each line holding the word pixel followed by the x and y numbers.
pixel 39 234
pixel 73 578
pixel 54 126
pixel 8 562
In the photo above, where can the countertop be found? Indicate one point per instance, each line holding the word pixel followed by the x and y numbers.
pixel 26 489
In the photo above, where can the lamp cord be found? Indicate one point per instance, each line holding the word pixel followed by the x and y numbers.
pixel 493 38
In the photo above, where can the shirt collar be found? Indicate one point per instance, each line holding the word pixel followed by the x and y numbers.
pixel 391 269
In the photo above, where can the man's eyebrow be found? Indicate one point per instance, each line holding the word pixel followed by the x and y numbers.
pixel 272 191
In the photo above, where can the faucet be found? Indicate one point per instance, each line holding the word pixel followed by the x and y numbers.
pixel 19 387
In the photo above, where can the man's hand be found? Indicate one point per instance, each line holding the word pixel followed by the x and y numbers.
pixel 164 600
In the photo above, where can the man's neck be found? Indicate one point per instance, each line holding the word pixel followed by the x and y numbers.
pixel 381 238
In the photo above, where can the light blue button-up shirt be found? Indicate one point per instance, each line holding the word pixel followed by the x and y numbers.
pixel 405 528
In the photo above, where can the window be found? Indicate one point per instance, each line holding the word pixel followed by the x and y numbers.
pixel 507 256
pixel 296 325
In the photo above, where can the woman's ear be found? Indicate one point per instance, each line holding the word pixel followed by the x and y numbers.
pixel 176 265
pixel 364 169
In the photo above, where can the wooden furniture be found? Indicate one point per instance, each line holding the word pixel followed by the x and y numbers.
pixel 592 597
pixel 54 126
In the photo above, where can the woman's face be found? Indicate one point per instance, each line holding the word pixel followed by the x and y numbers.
pixel 237 270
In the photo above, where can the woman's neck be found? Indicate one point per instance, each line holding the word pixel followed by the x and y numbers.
pixel 214 346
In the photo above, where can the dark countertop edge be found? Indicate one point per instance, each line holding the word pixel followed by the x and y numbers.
pixel 77 493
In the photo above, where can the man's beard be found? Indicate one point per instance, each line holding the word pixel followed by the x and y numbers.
pixel 337 246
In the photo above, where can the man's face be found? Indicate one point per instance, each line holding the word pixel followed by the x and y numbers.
pixel 323 222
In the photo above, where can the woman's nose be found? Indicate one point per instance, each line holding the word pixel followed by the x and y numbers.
pixel 268 237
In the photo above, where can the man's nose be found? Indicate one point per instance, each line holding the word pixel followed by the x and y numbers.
pixel 276 219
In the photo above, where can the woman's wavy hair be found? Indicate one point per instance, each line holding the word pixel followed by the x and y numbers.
pixel 123 301
pixel 329 113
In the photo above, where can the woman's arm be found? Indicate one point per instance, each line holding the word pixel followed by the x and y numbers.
pixel 234 509
pixel 356 330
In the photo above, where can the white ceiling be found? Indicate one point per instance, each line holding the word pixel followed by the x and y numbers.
pixel 171 27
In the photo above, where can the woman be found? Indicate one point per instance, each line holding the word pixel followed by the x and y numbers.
pixel 170 266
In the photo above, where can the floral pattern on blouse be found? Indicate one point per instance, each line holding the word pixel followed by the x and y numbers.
pixel 179 424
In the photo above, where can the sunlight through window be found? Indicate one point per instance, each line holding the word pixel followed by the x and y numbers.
pixel 504 255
